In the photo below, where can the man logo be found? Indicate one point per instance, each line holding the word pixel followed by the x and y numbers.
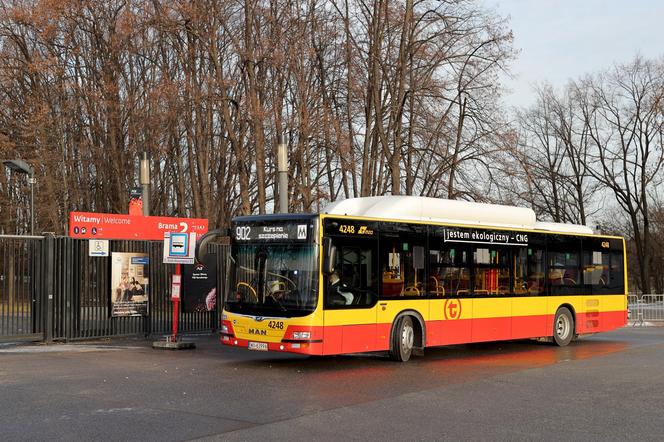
pixel 255 331
pixel 302 231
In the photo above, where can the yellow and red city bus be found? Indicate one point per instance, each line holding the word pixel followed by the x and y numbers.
pixel 399 274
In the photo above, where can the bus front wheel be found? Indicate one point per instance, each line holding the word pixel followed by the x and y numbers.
pixel 563 327
pixel 403 340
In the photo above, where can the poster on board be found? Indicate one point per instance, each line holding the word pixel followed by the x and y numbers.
pixel 200 285
pixel 129 284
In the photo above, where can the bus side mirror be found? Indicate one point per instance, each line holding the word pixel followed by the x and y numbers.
pixel 219 235
pixel 329 256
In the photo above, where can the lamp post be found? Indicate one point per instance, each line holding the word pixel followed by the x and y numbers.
pixel 145 182
pixel 21 166
pixel 282 168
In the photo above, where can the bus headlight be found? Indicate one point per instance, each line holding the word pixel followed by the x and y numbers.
pixel 224 328
pixel 302 335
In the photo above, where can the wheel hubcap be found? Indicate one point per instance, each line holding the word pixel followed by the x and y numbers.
pixel 407 338
pixel 562 327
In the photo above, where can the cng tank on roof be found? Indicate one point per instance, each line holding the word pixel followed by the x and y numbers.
pixel 419 208
pixel 564 228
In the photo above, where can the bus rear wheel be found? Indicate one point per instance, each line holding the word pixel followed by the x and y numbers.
pixel 563 327
pixel 403 340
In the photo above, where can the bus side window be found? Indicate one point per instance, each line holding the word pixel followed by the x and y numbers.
pixel 596 270
pixel 449 272
pixel 392 274
pixel 534 279
pixel 520 268
pixel 616 273
pixel 492 270
pixel 415 262
pixel 564 270
pixel 402 264
pixel 603 271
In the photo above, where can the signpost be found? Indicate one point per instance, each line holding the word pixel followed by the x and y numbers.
pixel 179 236
pixel 179 249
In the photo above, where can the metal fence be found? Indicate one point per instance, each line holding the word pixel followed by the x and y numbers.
pixel 645 308
pixel 51 289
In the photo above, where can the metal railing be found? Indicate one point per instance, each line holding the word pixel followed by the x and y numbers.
pixel 645 308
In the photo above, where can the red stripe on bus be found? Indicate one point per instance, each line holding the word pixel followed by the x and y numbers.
pixel 592 322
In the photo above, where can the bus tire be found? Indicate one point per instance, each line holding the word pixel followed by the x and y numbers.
pixel 403 340
pixel 563 327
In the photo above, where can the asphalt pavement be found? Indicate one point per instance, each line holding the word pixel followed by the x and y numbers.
pixel 604 387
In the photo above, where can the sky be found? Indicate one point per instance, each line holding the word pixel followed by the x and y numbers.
pixel 560 40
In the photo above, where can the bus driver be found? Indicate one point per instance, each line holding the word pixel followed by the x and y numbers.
pixel 339 292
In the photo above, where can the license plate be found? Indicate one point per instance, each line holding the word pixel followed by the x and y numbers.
pixel 260 346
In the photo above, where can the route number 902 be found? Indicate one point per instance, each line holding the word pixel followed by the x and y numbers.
pixel 242 233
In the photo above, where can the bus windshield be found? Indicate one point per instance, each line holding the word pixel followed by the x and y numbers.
pixel 279 280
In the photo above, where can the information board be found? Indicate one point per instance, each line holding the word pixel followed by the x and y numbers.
pixel 114 226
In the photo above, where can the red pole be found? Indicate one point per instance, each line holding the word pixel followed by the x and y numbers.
pixel 176 304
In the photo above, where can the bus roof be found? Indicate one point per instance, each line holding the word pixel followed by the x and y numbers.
pixel 424 209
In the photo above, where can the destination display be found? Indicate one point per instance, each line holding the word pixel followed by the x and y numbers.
pixel 500 237
pixel 273 232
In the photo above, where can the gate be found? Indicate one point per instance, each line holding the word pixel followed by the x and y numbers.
pixel 21 288
pixel 51 289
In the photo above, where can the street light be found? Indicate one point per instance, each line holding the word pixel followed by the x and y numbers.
pixel 282 168
pixel 21 166
pixel 144 177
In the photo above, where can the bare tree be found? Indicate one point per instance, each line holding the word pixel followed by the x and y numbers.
pixel 552 152
pixel 622 109
pixel 374 96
